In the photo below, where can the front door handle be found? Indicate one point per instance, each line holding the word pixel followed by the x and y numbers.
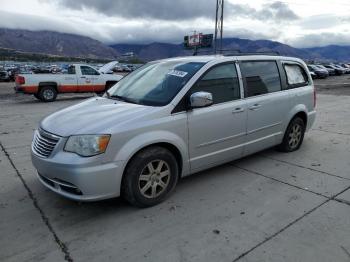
pixel 238 110
pixel 255 107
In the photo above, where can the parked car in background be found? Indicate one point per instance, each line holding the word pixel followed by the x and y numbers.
pixel 320 73
pixel 108 68
pixel 313 75
pixel 172 118
pixel 347 70
pixel 338 71
pixel 42 70
pixel 79 79
pixel 331 71
pixel 4 75
pixel 345 66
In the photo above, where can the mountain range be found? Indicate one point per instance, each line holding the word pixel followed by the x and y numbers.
pixel 70 45
pixel 54 43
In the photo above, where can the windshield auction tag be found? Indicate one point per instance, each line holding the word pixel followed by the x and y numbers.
pixel 177 73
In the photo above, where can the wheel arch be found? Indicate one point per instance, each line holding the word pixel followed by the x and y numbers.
pixel 299 110
pixel 44 84
pixel 168 140
pixel 302 115
pixel 170 146
pixel 109 84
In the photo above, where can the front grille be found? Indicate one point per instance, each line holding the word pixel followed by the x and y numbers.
pixel 44 143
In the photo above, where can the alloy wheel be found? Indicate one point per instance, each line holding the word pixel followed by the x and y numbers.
pixel 48 94
pixel 295 136
pixel 154 178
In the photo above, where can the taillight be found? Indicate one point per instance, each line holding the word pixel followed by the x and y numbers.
pixel 314 97
pixel 20 80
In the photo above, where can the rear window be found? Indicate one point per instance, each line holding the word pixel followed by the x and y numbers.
pixel 261 77
pixel 71 70
pixel 296 75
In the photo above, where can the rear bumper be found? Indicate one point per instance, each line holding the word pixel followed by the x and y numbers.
pixel 26 89
pixel 310 120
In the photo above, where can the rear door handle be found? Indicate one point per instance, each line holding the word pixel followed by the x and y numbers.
pixel 238 110
pixel 255 107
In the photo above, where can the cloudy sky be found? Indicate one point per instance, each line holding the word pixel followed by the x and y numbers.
pixel 298 23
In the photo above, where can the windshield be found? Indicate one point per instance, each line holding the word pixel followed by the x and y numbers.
pixel 156 83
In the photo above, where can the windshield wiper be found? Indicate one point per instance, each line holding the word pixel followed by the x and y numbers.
pixel 123 98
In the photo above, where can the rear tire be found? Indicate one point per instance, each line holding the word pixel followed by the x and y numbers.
pixel 150 177
pixel 47 94
pixel 294 136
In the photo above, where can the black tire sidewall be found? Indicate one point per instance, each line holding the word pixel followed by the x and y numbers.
pixel 134 169
pixel 42 89
pixel 285 144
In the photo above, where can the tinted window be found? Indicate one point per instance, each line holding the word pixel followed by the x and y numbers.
pixel 261 77
pixel 221 81
pixel 296 75
pixel 86 70
pixel 71 70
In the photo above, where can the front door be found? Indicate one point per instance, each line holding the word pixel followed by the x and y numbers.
pixel 217 133
pixel 88 81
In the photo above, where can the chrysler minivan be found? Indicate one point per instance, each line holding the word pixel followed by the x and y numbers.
pixel 172 118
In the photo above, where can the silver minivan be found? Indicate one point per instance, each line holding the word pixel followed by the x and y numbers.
pixel 172 118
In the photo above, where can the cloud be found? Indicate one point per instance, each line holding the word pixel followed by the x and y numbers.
pixel 141 21
pixel 170 10
pixel 321 39
pixel 276 11
pixel 323 21
pixel 150 9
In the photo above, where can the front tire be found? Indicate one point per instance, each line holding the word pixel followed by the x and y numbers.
pixel 294 136
pixel 47 94
pixel 150 177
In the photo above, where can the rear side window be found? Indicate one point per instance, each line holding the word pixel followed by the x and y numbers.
pixel 222 82
pixel 296 75
pixel 261 77
pixel 71 70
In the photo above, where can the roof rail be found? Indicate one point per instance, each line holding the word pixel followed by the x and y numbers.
pixel 272 53
pixel 235 52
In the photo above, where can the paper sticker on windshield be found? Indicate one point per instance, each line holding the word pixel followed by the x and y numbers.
pixel 177 73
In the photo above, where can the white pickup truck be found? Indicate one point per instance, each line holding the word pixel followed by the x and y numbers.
pixel 80 78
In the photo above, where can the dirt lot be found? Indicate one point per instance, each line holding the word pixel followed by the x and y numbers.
pixel 266 207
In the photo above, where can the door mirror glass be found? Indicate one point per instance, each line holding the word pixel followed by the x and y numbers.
pixel 201 99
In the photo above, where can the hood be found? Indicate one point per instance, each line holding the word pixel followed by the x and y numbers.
pixel 108 67
pixel 93 116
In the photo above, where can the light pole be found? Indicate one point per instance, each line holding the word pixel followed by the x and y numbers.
pixel 219 24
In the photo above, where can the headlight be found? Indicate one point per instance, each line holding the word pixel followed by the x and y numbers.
pixel 87 145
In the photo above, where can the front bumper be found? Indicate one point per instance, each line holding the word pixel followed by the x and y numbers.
pixel 82 181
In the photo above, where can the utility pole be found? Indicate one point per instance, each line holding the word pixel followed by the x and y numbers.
pixel 219 24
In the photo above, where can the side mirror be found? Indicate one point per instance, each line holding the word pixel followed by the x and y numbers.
pixel 201 99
